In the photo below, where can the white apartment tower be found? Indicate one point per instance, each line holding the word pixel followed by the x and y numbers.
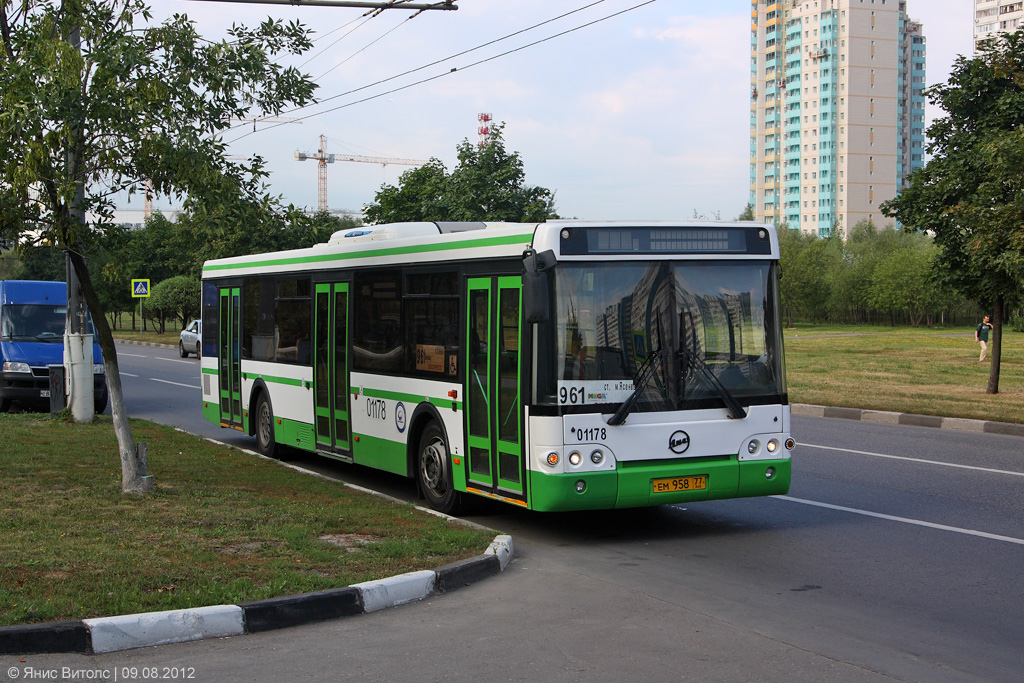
pixel 992 17
pixel 837 109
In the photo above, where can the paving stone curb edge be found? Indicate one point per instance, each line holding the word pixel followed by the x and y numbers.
pixel 112 634
pixel 886 417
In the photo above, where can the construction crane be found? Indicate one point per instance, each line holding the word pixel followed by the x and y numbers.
pixel 323 158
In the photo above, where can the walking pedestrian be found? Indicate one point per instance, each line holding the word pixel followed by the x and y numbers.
pixel 981 336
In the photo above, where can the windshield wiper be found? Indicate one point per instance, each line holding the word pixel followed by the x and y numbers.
pixel 736 411
pixel 643 376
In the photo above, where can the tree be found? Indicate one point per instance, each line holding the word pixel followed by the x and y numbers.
pixel 92 104
pixel 748 214
pixel 970 194
pixel 901 281
pixel 176 297
pixel 488 184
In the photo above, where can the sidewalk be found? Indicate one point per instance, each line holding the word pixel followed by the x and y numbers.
pixel 890 418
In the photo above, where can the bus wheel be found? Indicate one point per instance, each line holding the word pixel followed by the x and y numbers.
pixel 433 471
pixel 265 443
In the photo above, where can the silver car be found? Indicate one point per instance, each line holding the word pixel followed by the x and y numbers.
pixel 191 340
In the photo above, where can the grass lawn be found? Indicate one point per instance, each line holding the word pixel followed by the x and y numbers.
pixel 902 369
pixel 221 526
pixel 170 337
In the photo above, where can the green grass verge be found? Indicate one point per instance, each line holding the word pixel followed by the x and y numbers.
pixel 170 337
pixel 922 371
pixel 221 526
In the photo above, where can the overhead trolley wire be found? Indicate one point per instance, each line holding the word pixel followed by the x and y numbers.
pixel 453 70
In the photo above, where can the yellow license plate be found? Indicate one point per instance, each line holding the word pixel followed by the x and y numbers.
pixel 675 484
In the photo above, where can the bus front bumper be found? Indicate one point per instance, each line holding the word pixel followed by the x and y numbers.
pixel 632 484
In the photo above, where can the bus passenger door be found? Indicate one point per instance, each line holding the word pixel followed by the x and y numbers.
pixel 494 406
pixel 330 368
pixel 228 363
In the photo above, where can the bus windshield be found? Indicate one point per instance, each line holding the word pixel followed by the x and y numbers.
pixel 703 333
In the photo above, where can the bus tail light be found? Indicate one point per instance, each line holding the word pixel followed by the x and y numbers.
pixel 790 443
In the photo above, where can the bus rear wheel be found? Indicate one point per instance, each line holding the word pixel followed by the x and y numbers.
pixel 265 442
pixel 433 471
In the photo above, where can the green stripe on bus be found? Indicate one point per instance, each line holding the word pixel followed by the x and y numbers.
pixel 389 251
pixel 411 398
pixel 288 381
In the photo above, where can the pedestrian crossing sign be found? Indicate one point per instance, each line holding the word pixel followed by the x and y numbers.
pixel 140 288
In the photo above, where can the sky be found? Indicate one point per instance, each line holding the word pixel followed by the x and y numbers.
pixel 638 110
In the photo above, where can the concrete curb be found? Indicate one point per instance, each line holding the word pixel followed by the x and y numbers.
pixel 144 343
pixel 112 634
pixel 933 421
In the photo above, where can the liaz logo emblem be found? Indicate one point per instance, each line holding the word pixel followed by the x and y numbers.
pixel 400 417
pixel 679 442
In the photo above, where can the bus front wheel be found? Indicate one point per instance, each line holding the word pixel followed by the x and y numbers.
pixel 265 443
pixel 433 471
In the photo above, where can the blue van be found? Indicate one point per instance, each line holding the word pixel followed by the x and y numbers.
pixel 32 320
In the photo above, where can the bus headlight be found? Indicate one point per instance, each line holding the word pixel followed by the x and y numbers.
pixel 772 446
pixel 753 447
pixel 597 457
pixel 575 458
pixel 10 366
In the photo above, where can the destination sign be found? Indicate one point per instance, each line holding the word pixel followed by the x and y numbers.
pixel 581 241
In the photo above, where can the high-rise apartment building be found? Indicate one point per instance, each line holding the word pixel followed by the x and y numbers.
pixel 992 17
pixel 837 109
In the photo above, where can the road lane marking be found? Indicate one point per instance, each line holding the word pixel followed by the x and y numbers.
pixel 175 360
pixel 904 520
pixel 177 384
pixel 926 462
pixel 132 355
pixel 127 374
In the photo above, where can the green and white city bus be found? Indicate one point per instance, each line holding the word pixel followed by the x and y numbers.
pixel 555 366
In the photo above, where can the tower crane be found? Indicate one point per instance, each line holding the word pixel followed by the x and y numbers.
pixel 323 158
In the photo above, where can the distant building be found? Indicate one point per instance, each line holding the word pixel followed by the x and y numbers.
pixel 992 17
pixel 837 109
pixel 135 219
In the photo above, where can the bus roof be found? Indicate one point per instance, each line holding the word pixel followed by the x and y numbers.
pixel 393 243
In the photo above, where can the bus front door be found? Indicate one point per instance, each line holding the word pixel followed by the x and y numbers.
pixel 228 364
pixel 330 370
pixel 494 407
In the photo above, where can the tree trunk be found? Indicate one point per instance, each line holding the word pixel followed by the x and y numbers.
pixel 997 345
pixel 133 458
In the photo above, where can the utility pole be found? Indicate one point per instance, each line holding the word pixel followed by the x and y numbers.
pixel 78 359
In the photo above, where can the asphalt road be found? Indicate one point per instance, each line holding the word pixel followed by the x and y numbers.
pixel 897 555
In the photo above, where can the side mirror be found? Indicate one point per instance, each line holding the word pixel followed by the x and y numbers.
pixel 536 287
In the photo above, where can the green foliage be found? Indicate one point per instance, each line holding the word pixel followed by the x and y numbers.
pixel 488 184
pixel 875 275
pixel 970 195
pixel 176 297
pixel 748 214
pixel 133 104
